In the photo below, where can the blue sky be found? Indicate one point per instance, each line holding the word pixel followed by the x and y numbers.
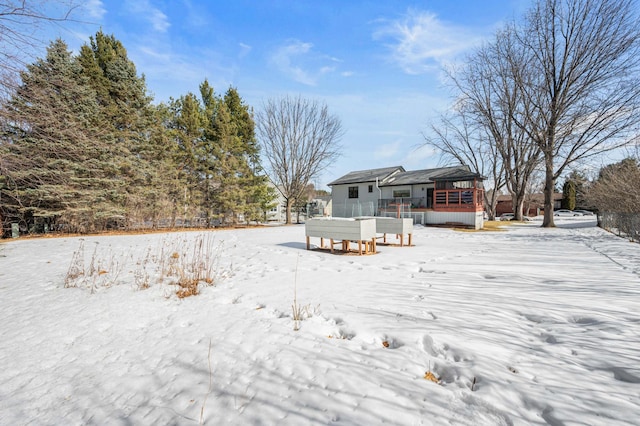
pixel 376 64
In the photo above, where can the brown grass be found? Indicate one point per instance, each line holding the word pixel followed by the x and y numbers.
pixel 431 377
pixel 55 234
pixel 177 262
pixel 188 287
pixel 489 226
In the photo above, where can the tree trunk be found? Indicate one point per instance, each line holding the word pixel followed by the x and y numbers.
pixel 289 204
pixel 549 184
pixel 518 204
pixel 490 204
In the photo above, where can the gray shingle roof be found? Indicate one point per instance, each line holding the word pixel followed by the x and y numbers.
pixel 415 177
pixel 392 176
pixel 367 175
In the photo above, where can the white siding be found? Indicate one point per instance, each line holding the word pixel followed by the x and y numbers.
pixel 474 219
pixel 386 225
pixel 365 205
pixel 279 212
pixel 341 229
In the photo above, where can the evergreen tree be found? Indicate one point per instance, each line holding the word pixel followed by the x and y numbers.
pixel 129 116
pixel 83 146
pixel 185 130
pixel 164 181
pixel 569 195
pixel 55 161
pixel 209 151
pixel 229 172
pixel 220 157
pixel 258 195
pixel 574 191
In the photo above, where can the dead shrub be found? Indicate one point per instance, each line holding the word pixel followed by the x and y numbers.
pixel 182 263
pixel 76 268
pixel 187 287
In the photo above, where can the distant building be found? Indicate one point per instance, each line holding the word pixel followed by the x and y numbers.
pixel 317 206
pixel 278 213
pixel 533 204
pixel 320 206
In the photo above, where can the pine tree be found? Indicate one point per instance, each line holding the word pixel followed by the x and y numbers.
pixel 129 116
pixel 55 164
pixel 569 195
pixel 574 191
pixel 215 139
pixel 208 154
pixel 164 181
pixel 258 195
pixel 229 171
pixel 184 125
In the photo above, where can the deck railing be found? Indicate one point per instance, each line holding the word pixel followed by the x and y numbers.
pixel 458 199
pixel 468 199
pixel 404 203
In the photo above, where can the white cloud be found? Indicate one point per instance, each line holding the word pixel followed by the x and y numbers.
pixel 172 71
pixel 420 157
pixel 284 60
pixel 327 70
pixel 421 42
pixel 389 150
pixel 298 60
pixel 159 56
pixel 158 20
pixel 95 9
pixel 244 50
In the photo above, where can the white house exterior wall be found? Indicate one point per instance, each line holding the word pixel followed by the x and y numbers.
pixel 416 190
pixel 279 212
pixel 474 219
pixel 420 191
pixel 367 202
pixel 365 205
pixel 386 192
pixel 419 204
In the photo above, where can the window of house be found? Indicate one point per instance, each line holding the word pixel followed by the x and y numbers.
pixel 401 193
pixel 353 192
pixel 463 184
pixel 370 188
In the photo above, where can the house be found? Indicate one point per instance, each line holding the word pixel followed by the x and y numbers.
pixel 278 212
pixel 319 206
pixel 533 204
pixel 316 206
pixel 441 196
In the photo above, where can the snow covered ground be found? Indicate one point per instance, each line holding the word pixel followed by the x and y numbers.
pixel 525 326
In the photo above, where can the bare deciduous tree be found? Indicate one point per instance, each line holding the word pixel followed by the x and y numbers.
pixel 299 139
pixel 461 139
pixel 616 188
pixel 491 98
pixel 582 91
pixel 20 24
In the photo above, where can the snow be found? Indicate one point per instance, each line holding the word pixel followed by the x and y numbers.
pixel 525 326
